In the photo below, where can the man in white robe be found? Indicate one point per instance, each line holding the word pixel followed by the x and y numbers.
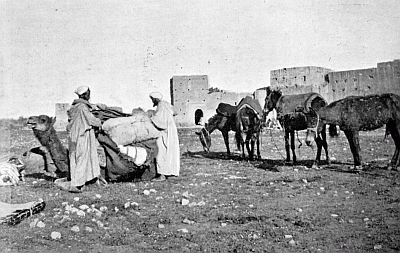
pixel 168 158
pixel 82 143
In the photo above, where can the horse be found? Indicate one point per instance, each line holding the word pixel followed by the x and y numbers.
pixel 224 121
pixel 360 113
pixel 249 118
pixel 291 115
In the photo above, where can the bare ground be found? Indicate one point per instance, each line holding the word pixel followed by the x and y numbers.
pixel 222 204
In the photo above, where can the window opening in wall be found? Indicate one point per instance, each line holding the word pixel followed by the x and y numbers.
pixel 304 78
pixel 199 117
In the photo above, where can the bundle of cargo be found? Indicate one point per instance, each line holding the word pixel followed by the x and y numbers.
pixel 131 129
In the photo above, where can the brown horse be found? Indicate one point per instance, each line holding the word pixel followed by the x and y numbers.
pixel 249 118
pixel 223 124
pixel 360 113
pixel 291 115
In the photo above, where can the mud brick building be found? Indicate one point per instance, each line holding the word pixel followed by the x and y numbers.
pixel 335 85
pixel 195 100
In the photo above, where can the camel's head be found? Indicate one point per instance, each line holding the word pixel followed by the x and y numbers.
pixel 41 122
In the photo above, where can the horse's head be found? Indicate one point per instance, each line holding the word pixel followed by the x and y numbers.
pixel 314 125
pixel 41 122
pixel 205 138
pixel 271 100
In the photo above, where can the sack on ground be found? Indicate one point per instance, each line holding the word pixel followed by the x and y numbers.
pixel 132 129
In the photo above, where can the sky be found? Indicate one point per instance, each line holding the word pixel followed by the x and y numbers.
pixel 125 49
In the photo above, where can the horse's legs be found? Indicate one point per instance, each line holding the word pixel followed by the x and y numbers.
pixel 287 145
pixel 250 151
pixel 258 145
pixel 325 145
pixel 293 147
pixel 226 140
pixel 395 133
pixel 353 138
pixel 319 142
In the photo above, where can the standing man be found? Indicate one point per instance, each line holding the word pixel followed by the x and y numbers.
pixel 82 143
pixel 168 158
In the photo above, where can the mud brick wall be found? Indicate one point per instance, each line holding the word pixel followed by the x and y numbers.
pixel 340 84
pixel 191 93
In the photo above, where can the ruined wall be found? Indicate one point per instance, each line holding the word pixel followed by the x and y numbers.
pixel 188 93
pixel 383 79
pixel 299 79
pixel 340 84
pixel 61 116
pixel 191 93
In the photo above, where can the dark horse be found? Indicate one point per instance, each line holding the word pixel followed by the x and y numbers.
pixel 249 117
pixel 224 121
pixel 291 115
pixel 360 113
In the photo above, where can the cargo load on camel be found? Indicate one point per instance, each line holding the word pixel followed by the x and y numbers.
pixel 117 164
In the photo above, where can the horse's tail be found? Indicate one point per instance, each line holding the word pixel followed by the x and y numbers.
pixel 333 132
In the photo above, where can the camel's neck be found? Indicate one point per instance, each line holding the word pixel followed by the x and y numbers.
pixel 49 139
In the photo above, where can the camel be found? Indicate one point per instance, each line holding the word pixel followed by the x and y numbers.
pixel 43 129
pixel 119 166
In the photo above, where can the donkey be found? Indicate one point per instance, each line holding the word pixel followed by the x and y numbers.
pixel 360 113
pixel 291 115
pixel 222 121
pixel 249 118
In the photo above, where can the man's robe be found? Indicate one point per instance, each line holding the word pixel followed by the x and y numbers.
pixel 82 143
pixel 168 158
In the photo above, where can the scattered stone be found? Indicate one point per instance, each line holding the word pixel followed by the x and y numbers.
pixel 98 196
pixel 161 226
pixel 76 199
pixel 127 204
pixel 292 242
pixel 378 246
pixel 159 198
pixel 201 203
pixel 185 194
pixel 192 204
pixel 185 202
pixel 223 224
pixel 153 190
pixel 33 223
pixel 55 235
pixel 305 181
pixel 183 230
pixel 40 224
pixel 80 213
pixel 366 219
pixel 116 209
pixel 83 207
pixel 88 229
pixel 75 229
pixel 351 221
pixel 187 221
pixel 288 236
pixel 103 209
pixel 146 192
pixel 334 215
pixel 64 203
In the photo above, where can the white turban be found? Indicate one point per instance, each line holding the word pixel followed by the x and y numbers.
pixel 156 94
pixel 81 89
